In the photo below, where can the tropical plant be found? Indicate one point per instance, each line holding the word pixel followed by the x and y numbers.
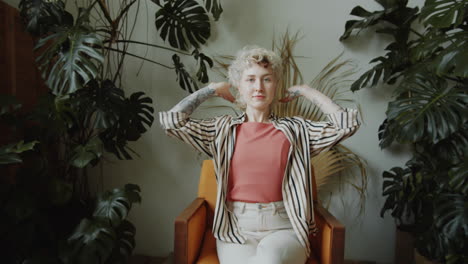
pixel 331 168
pixel 426 62
pixel 47 212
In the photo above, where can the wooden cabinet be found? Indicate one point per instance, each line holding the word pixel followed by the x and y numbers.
pixel 19 75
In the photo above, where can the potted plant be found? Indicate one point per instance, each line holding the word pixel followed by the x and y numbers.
pixel 426 63
pixel 48 214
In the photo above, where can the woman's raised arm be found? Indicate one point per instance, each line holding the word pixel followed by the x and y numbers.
pixel 322 101
pixel 191 102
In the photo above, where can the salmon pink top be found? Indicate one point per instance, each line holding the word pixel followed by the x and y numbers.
pixel 258 163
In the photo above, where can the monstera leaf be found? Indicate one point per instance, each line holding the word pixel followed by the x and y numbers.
pixel 202 73
pixel 395 12
pixel 454 147
pixel 183 77
pixel 444 13
pixel 183 23
pixel 458 176
pixel 214 6
pixel 134 117
pixel 41 15
pixel 125 243
pixel 82 155
pixel 434 110
pixel 91 242
pixel 445 51
pixel 100 103
pixel 398 185
pixel 71 60
pixel 451 213
pixel 9 153
pixel 114 205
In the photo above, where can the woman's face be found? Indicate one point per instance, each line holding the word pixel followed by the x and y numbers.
pixel 257 87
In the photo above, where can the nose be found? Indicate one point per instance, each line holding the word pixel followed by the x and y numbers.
pixel 258 85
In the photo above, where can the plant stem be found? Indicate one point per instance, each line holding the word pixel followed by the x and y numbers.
pixel 136 56
pixel 148 44
pixel 105 11
pixel 123 12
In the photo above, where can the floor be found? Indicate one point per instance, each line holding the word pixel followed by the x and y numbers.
pixel 138 259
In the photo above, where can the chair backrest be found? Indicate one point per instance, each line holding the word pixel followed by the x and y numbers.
pixel 207 184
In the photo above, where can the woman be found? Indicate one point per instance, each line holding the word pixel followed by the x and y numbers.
pixel 264 205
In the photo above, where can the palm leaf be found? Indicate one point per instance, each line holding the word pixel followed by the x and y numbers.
pixel 333 82
pixel 444 13
pixel 183 23
pixel 70 61
pixel 434 110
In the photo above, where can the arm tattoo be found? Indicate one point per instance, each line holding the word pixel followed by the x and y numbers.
pixel 189 103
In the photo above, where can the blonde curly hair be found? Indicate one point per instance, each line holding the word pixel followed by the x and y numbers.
pixel 247 56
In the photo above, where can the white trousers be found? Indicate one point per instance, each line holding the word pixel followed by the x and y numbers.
pixel 270 236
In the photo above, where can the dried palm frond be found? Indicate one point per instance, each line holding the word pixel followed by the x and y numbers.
pixel 332 80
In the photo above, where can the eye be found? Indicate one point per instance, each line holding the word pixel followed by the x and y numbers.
pixel 251 80
pixel 267 79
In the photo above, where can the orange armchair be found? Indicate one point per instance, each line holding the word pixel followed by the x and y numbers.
pixel 195 243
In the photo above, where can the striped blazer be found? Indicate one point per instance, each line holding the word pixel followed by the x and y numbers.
pixel 216 138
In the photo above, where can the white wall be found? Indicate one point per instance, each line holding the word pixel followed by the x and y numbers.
pixel 168 170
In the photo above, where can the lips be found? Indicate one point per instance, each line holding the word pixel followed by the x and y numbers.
pixel 259 96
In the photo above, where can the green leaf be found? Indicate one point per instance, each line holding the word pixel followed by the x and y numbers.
pixel 60 191
pixel 458 178
pixel 214 6
pixel 125 243
pixel 100 103
pixel 82 155
pixel 113 206
pixel 370 19
pixel 42 15
pixel 186 81
pixel 9 153
pixel 8 103
pixel 444 13
pixel 394 19
pixel 183 23
pixel 91 242
pixel 433 112
pixel 134 119
pixel 71 60
pixel 202 73
pixel 451 214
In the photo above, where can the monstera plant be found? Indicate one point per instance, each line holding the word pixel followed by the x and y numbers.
pixel 47 212
pixel 426 65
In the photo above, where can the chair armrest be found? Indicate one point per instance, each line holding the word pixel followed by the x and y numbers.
pixel 328 244
pixel 189 230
